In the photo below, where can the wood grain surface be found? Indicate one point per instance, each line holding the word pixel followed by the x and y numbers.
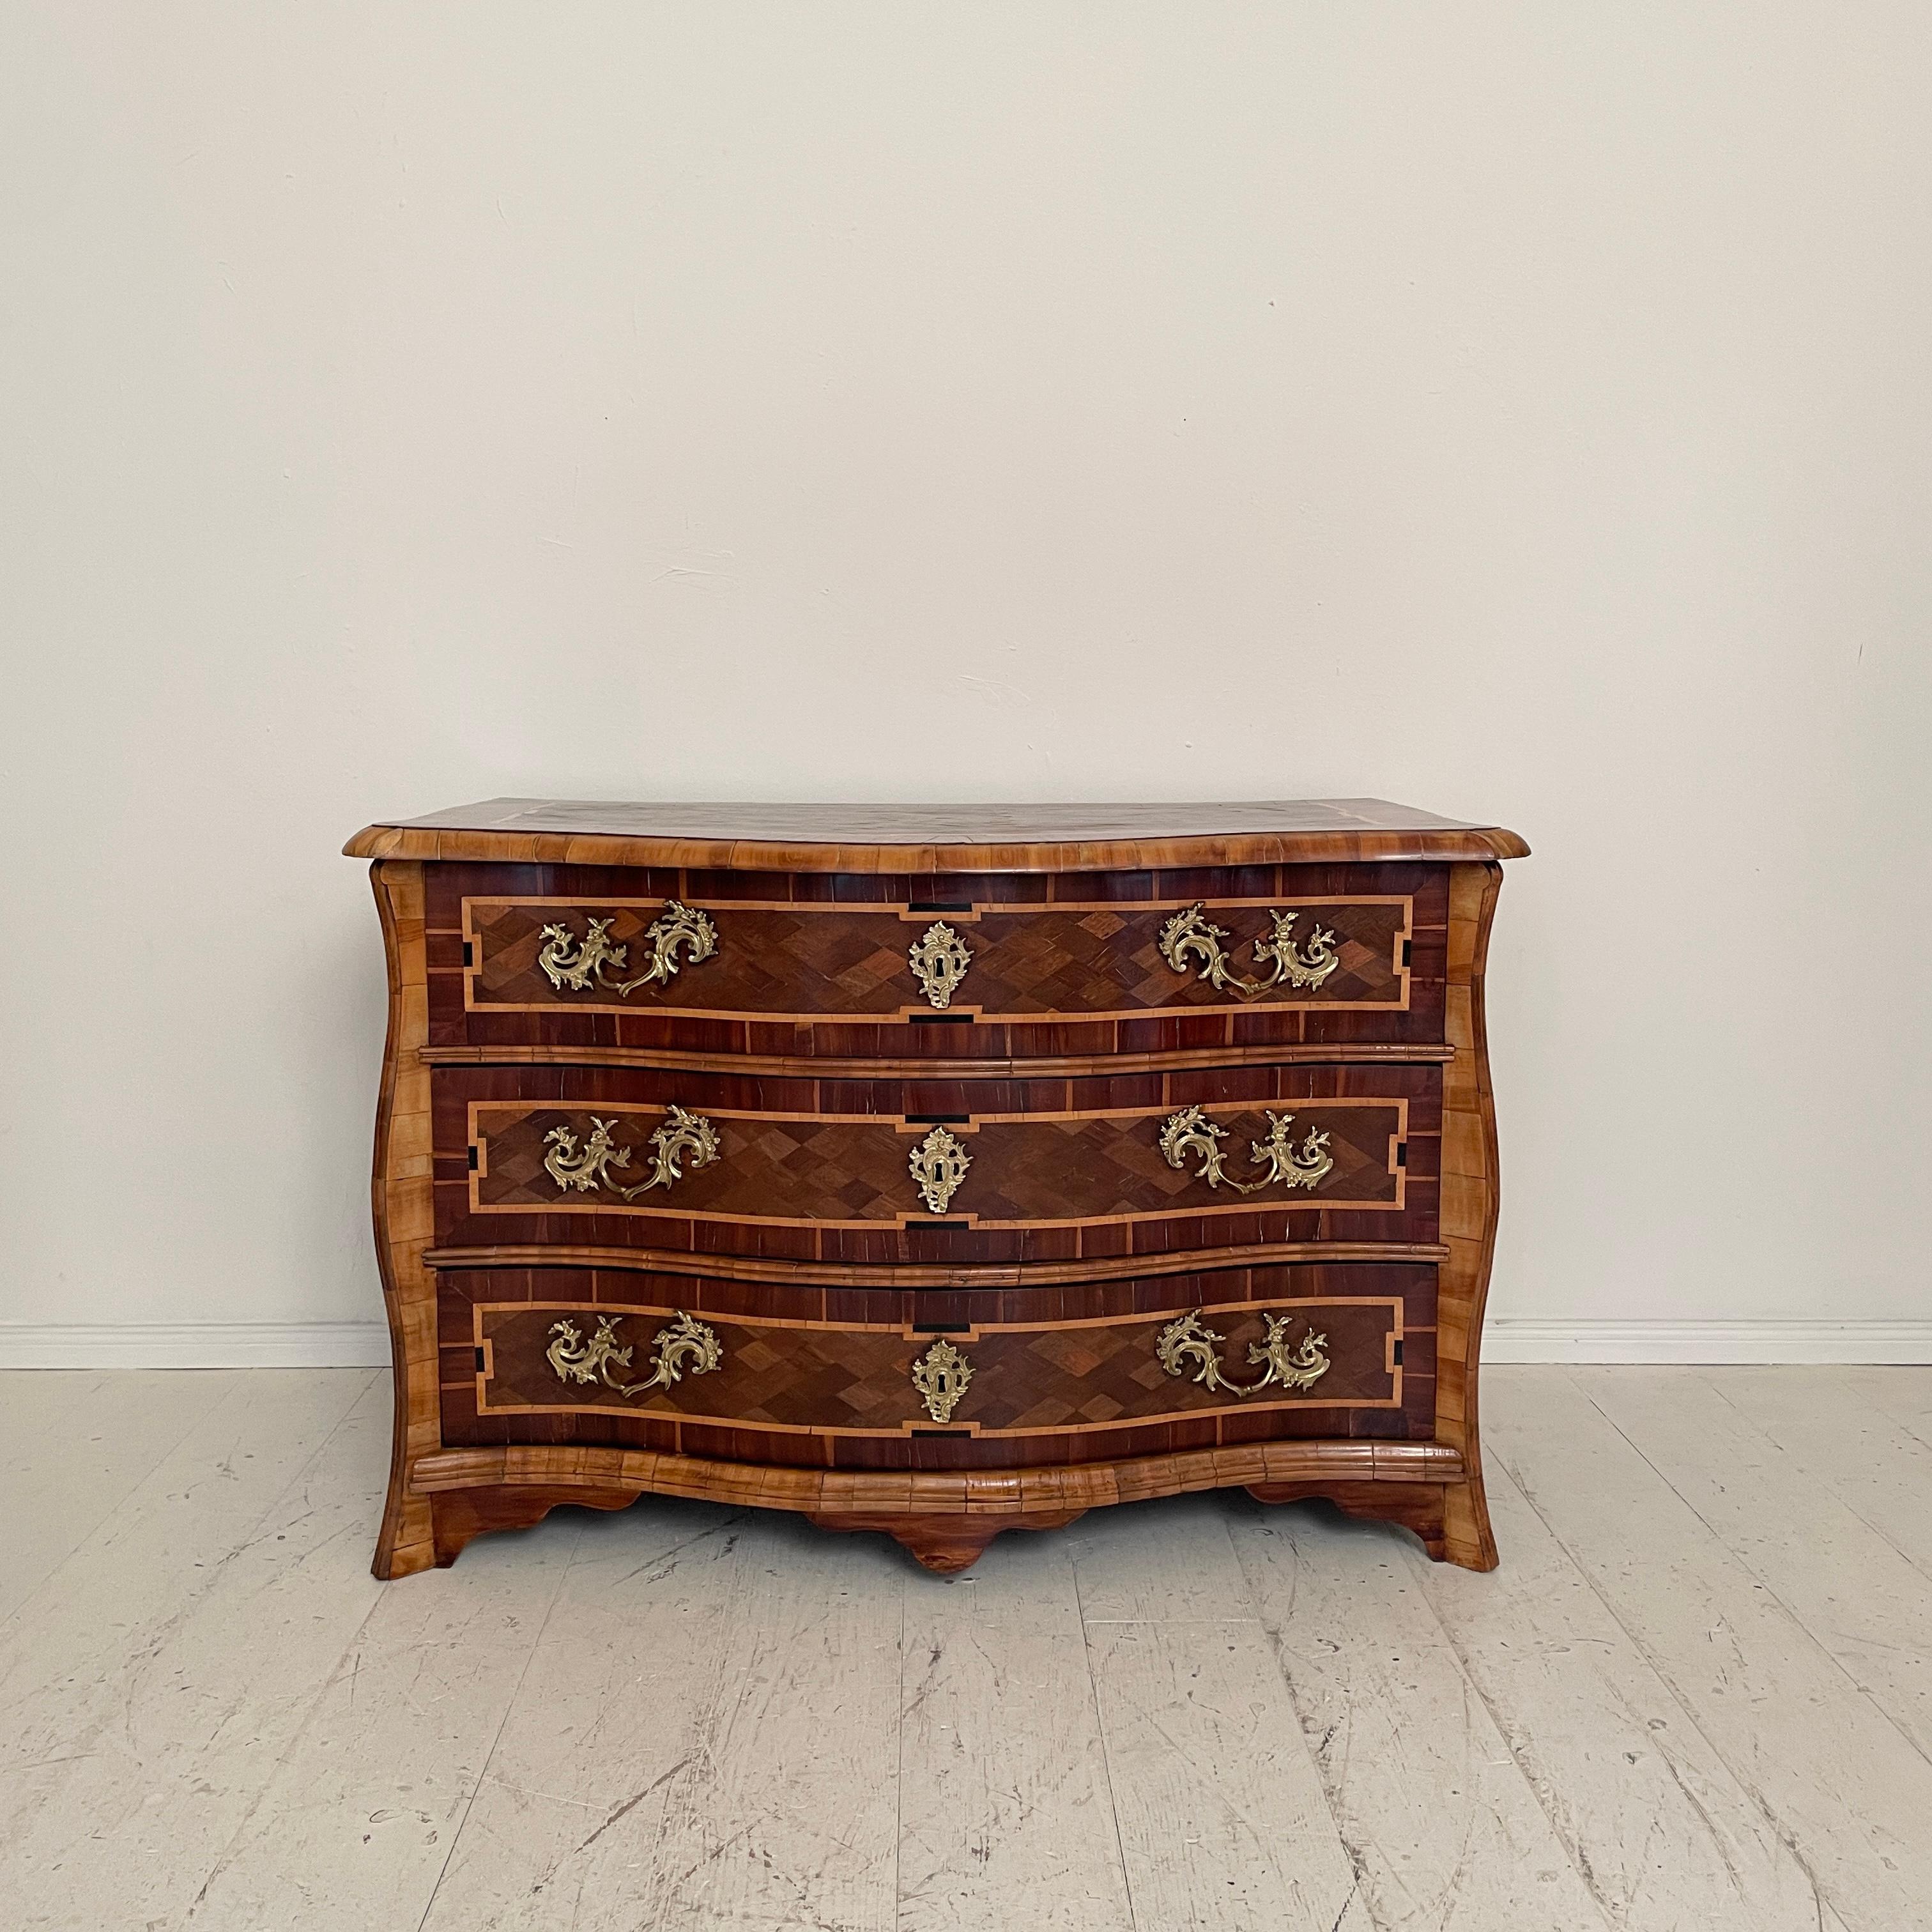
pixel 1051 1169
pixel 818 1172
pixel 807 1238
pixel 1096 961
pixel 1065 964
pixel 826 1378
pixel 517 1485
pixel 931 838
pixel 402 1194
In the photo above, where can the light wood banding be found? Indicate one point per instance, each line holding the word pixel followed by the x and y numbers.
pixel 885 1274
pixel 1066 960
pixel 938 1516
pixel 852 1379
pixel 846 1172
pixel 834 1066
pixel 1067 1241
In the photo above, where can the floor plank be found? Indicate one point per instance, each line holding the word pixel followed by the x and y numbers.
pixel 1863 1601
pixel 570 1809
pixel 356 1826
pixel 1224 1823
pixel 787 1812
pixel 1839 1783
pixel 73 1445
pixel 1667 1839
pixel 1168 1561
pixel 1691 1700
pixel 1446 1831
pixel 147 1688
pixel 1839 1426
pixel 1006 1816
pixel 1905 1394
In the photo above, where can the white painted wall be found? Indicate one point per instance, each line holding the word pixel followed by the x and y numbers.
pixel 1521 411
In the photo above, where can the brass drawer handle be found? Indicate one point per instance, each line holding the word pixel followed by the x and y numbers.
pixel 588 1167
pixel 940 960
pixel 939 1165
pixel 686 1343
pixel 1191 934
pixel 941 1376
pixel 1188 1347
pixel 1191 1132
pixel 575 965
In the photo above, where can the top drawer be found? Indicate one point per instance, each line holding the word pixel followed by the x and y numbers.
pixel 1004 966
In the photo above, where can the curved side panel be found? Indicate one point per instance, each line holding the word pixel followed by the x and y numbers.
pixel 1469 1203
pixel 404 1201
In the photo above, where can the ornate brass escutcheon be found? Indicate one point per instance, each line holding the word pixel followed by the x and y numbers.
pixel 1188 1347
pixel 686 1344
pixel 1191 934
pixel 939 1165
pixel 941 1376
pixel 1190 1133
pixel 940 961
pixel 575 965
pixel 588 1167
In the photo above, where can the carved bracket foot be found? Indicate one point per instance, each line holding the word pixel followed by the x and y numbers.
pixel 1419 1508
pixel 944 1544
pixel 456 1516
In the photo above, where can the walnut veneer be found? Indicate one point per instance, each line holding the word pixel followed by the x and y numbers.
pixel 937 1170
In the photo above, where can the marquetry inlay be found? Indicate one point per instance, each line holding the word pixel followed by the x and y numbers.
pixel 939 1169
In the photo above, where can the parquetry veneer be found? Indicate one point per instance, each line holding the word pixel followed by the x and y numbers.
pixel 934 1170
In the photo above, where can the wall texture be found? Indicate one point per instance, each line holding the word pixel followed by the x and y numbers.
pixel 1521 411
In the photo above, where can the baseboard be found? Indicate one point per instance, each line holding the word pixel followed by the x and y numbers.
pixel 1506 1340
pixel 365 1344
pixel 194 1345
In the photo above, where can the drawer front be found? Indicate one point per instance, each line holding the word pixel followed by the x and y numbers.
pixel 653 1159
pixel 531 1356
pixel 1294 954
pixel 727 960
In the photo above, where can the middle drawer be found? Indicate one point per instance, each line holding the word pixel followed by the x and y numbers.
pixel 891 1170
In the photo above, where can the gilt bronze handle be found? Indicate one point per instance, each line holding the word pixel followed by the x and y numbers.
pixel 574 965
pixel 588 1167
pixel 1188 1347
pixel 1190 1133
pixel 1191 934
pixel 686 1344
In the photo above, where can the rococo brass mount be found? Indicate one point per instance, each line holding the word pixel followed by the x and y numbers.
pixel 1191 1132
pixel 940 960
pixel 1190 934
pixel 683 1132
pixel 1188 1347
pixel 686 1344
pixel 939 1165
pixel 574 964
pixel 941 1376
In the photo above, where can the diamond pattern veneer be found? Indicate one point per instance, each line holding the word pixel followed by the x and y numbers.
pixel 935 1170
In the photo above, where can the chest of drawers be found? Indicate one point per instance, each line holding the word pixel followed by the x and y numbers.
pixel 936 1170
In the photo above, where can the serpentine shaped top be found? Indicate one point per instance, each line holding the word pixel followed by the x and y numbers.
pixel 931 839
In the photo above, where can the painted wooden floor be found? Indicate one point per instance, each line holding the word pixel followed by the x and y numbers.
pixel 1697 1697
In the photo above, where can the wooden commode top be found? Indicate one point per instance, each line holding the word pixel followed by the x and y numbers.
pixel 931 837
pixel 934 1169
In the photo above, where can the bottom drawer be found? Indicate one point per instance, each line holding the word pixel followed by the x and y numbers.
pixel 879 1379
